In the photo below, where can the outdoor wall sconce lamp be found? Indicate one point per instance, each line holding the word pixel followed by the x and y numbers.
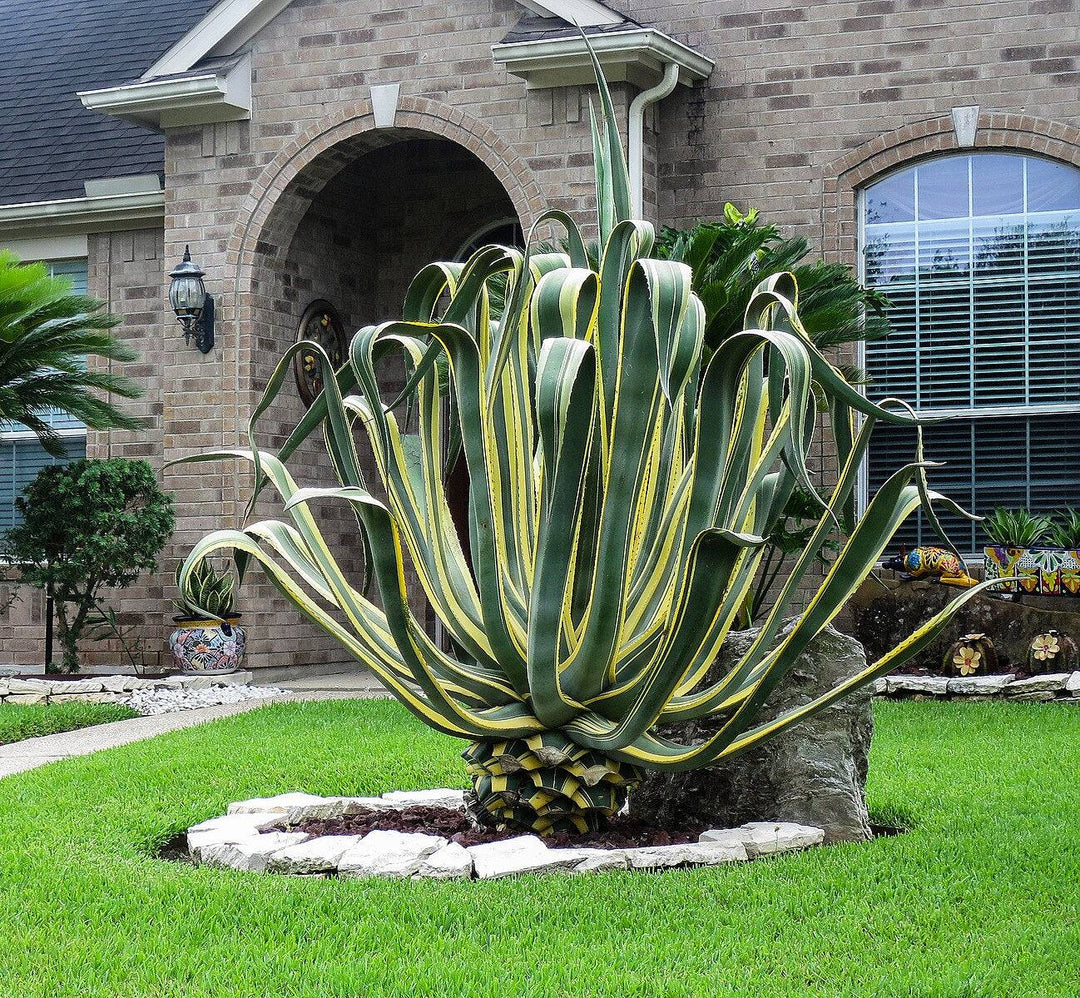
pixel 192 305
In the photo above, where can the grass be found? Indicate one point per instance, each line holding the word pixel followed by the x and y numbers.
pixel 21 721
pixel 980 898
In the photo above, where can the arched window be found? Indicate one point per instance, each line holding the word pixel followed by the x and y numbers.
pixel 980 255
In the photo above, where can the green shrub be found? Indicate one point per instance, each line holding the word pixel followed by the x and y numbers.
pixel 88 526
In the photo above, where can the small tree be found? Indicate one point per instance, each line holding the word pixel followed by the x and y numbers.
pixel 87 526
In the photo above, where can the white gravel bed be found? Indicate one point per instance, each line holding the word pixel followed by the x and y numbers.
pixel 169 701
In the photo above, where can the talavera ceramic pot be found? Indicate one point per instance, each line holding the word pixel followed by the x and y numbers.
pixel 207 647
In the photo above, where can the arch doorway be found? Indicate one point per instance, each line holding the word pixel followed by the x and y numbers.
pixel 340 248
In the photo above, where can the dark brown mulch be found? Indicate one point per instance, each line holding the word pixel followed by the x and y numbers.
pixel 619 832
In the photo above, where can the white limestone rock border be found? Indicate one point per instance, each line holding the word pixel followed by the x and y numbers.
pixel 145 696
pixel 1062 686
pixel 250 837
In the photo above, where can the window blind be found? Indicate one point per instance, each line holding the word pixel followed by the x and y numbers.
pixel 980 255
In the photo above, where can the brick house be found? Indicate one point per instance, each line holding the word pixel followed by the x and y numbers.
pixel 320 151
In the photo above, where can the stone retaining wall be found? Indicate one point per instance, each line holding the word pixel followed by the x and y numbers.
pixel 1064 686
pixel 106 689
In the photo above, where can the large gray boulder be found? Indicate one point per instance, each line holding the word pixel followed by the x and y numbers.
pixel 812 774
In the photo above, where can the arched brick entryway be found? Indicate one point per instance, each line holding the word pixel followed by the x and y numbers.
pixel 314 220
pixel 282 195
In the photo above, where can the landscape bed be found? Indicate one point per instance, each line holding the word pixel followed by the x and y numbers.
pixel 978 898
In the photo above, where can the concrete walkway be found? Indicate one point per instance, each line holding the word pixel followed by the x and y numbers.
pixel 359 684
pixel 34 752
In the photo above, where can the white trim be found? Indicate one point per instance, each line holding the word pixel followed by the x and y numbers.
pixel 188 100
pixel 72 246
pixel 638 55
pixel 384 103
pixel 584 13
pixel 231 24
pixel 484 229
pixel 77 431
pixel 94 214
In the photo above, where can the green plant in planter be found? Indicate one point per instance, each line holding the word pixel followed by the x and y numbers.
pixel 89 526
pixel 622 489
pixel 1015 528
pixel 1064 529
pixel 206 592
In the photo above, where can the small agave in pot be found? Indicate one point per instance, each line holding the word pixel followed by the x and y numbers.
pixel 210 639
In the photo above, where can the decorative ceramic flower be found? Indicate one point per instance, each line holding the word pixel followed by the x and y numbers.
pixel 967 660
pixel 1044 646
pixel 228 647
pixel 201 648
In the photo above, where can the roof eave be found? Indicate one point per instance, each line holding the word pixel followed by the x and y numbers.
pixel 637 55
pixel 188 100
pixel 87 214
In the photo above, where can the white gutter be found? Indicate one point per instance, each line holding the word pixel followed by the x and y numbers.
pixel 636 135
pixel 210 96
pixel 89 214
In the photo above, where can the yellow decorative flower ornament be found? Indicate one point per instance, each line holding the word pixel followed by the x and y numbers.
pixel 1045 646
pixel 967 660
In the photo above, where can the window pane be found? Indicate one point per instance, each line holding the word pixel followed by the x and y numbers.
pixel 944 249
pixel 943 188
pixel 889 255
pixel 1052 186
pixel 76 272
pixel 893 199
pixel 997 184
pixel 20 460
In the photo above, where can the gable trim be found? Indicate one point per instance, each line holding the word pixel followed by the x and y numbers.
pixel 233 23
pixel 582 13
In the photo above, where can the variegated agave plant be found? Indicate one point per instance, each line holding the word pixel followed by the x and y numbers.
pixel 621 488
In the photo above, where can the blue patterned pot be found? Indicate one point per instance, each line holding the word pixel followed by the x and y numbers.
pixel 207 647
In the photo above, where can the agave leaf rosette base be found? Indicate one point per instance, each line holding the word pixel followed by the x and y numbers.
pixel 546 783
pixel 621 485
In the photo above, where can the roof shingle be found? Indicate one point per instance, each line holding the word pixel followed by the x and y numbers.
pixel 51 49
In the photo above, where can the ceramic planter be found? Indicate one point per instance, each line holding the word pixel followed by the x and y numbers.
pixel 1042 571
pixel 202 647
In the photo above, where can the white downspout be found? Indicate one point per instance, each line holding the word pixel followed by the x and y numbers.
pixel 636 136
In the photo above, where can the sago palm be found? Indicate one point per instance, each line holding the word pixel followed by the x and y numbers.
pixel 46 335
pixel 620 494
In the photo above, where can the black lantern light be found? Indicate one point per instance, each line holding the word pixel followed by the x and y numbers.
pixel 192 305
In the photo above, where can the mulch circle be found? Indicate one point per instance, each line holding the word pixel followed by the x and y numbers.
pixel 620 832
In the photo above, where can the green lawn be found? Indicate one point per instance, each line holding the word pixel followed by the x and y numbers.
pixel 19 721
pixel 981 898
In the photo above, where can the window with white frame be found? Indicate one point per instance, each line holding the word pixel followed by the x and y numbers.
pixel 980 256
pixel 21 456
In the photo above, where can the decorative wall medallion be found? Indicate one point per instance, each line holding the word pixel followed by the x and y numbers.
pixel 320 324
